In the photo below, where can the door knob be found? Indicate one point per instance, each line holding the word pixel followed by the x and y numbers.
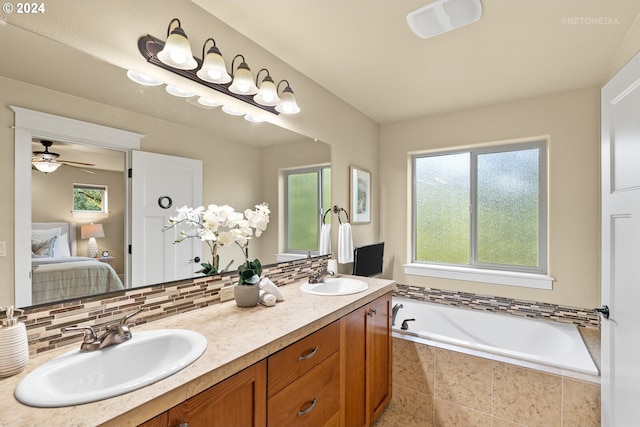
pixel 196 259
pixel 604 311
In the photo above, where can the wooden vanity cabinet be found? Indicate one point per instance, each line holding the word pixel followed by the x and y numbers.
pixel 238 401
pixel 366 352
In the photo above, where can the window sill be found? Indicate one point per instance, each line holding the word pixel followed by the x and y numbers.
pixel 498 277
pixel 76 214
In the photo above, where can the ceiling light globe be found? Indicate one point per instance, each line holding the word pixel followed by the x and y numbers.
pixel 46 166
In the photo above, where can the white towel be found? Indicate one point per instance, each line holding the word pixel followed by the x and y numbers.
pixel 266 299
pixel 325 239
pixel 269 287
pixel 345 244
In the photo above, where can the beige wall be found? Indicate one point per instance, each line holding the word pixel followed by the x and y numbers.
pixel 571 121
pixel 52 201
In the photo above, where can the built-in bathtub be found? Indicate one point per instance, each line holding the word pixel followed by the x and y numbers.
pixel 543 342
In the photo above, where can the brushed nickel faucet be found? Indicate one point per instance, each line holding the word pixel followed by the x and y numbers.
pixel 114 333
pixel 319 277
pixel 394 312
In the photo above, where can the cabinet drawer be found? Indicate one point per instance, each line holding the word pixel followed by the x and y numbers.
pixel 292 362
pixel 312 400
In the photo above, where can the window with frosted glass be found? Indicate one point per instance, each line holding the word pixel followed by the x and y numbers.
pixel 483 208
pixel 308 193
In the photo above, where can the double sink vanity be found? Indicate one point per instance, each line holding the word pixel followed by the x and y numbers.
pixel 321 357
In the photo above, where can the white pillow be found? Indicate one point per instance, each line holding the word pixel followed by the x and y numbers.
pixel 44 234
pixel 62 246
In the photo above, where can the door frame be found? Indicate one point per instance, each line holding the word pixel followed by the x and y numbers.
pixel 30 124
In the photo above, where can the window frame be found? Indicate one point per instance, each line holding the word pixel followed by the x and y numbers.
pixel 319 205
pixel 103 213
pixel 474 266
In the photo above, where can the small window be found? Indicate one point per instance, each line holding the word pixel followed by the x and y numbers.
pixel 308 195
pixel 90 200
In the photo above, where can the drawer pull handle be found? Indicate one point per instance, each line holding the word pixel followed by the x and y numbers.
pixel 308 355
pixel 309 409
pixel 371 312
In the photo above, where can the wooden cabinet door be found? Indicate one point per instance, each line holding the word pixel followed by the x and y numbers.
pixel 378 356
pixel 366 348
pixel 239 401
pixel 353 350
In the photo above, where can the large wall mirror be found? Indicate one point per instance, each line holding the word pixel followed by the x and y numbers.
pixel 165 125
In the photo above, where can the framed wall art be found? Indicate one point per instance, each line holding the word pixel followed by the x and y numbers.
pixel 360 195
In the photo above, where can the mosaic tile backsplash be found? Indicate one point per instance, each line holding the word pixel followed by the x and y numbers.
pixel 160 301
pixel 577 316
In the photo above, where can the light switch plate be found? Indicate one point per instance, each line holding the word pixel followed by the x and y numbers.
pixel 3 249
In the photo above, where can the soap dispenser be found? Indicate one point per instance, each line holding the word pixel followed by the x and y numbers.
pixel 14 346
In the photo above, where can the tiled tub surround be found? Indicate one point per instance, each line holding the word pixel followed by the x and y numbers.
pixel 237 338
pixel 160 301
pixel 439 385
pixel 577 316
pixel 435 386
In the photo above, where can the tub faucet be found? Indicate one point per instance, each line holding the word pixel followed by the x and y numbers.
pixel 394 312
pixel 319 277
pixel 114 334
pixel 405 324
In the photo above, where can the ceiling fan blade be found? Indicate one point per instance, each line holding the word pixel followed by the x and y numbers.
pixel 78 167
pixel 71 163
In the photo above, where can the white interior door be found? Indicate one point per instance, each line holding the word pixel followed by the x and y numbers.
pixel 159 185
pixel 621 247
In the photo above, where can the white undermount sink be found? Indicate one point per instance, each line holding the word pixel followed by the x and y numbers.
pixel 74 378
pixel 335 286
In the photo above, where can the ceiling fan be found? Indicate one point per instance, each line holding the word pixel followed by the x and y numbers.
pixel 47 161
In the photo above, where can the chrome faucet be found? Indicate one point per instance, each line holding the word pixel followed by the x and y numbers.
pixel 115 333
pixel 319 277
pixel 394 313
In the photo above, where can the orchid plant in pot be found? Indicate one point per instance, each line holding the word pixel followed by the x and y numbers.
pixel 221 226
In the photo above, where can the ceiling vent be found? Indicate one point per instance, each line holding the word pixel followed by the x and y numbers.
pixel 442 16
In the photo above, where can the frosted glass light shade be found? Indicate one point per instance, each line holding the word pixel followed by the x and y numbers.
pixel 213 69
pixel 243 81
pixel 176 52
pixel 288 103
pixel 267 94
pixel 46 166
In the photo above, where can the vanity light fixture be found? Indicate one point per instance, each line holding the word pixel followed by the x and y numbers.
pixel 176 52
pixel 242 78
pixel 175 56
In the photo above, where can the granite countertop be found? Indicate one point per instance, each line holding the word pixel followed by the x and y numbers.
pixel 238 338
